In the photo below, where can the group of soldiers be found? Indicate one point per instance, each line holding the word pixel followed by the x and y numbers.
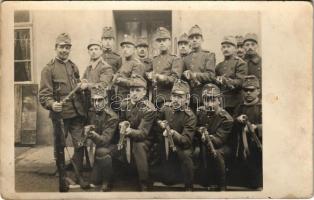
pixel 170 117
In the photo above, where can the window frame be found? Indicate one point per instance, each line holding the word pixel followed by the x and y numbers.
pixel 29 26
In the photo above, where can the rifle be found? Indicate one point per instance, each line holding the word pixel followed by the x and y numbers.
pixel 224 82
pixel 60 136
pixel 252 132
pixel 123 127
pixel 168 139
pixel 86 133
pixel 153 91
pixel 193 81
pixel 205 135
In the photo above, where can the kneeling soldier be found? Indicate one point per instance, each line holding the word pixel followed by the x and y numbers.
pixel 102 125
pixel 214 124
pixel 137 117
pixel 248 126
pixel 179 123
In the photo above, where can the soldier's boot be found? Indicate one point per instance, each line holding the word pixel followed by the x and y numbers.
pixel 220 172
pixel 78 161
pixel 102 171
pixel 140 156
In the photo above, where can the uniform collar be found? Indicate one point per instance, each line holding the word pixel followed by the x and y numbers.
pixel 251 103
pixel 93 64
pixel 62 61
pixel 254 58
pixel 197 50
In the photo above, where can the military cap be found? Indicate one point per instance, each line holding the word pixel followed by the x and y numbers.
pixel 63 39
pixel 142 42
pixel 250 81
pixel 93 42
pixel 229 40
pixel 251 37
pixel 183 38
pixel 97 91
pixel 138 81
pixel 239 39
pixel 162 33
pixel 195 30
pixel 127 40
pixel 211 90
pixel 180 87
pixel 107 32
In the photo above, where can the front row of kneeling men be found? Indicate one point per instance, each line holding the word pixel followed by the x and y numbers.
pixel 198 144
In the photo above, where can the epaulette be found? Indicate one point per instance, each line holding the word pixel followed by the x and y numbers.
pixel 206 51
pixel 110 112
pixel 189 112
pixel 52 61
pixel 223 113
pixel 149 105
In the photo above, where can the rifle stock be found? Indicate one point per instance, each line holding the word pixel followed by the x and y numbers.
pixel 203 131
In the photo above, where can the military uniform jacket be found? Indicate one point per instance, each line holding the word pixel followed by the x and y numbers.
pixel 106 122
pixel 170 66
pixel 101 74
pixel 182 121
pixel 129 68
pixel 219 125
pixel 235 69
pixel 141 117
pixel 203 64
pixel 148 63
pixel 113 59
pixel 65 76
pixel 254 66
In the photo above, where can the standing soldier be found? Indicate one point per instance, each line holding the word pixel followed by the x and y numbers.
pixel 142 53
pixel 103 122
pixel 248 126
pixel 98 72
pixel 110 56
pixel 140 114
pixel 230 73
pixel 254 61
pixel 199 66
pixel 166 68
pixel 240 49
pixel 183 45
pixel 214 124
pixel 130 66
pixel 181 123
pixel 58 78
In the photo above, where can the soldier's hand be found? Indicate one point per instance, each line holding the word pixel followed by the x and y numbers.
pixel 187 74
pixel 84 86
pixel 91 134
pixel 165 134
pixel 160 77
pixel 241 118
pixel 119 79
pixel 219 79
pixel 57 107
pixel 149 75
pixel 254 127
pixel 128 131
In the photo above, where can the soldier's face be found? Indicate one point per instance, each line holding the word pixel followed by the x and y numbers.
pixel 183 47
pixel 179 100
pixel 228 49
pixel 63 51
pixel 98 103
pixel 107 43
pixel 211 103
pixel 240 51
pixel 163 44
pixel 196 41
pixel 95 52
pixel 137 93
pixel 127 50
pixel 250 94
pixel 250 47
pixel 142 51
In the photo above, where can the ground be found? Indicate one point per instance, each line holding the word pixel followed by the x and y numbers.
pixel 36 172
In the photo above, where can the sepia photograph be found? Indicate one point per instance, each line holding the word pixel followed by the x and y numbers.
pixel 119 99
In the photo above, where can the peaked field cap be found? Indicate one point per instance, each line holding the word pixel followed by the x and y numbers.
pixel 63 39
pixel 93 42
pixel 250 37
pixel 180 87
pixel 183 38
pixel 195 30
pixel 107 32
pixel 162 33
pixel 127 40
pixel 211 90
pixel 250 81
pixel 229 40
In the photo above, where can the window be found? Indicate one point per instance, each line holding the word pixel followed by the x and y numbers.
pixel 22 47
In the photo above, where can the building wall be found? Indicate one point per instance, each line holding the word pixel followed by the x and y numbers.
pixel 83 25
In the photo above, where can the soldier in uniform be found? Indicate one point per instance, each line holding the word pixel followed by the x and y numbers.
pixel 230 73
pixel 240 49
pixel 182 123
pixel 140 113
pixel 199 66
pixel 254 61
pixel 109 55
pixel 58 78
pixel 142 53
pixel 248 123
pixel 130 67
pixel 103 122
pixel 166 68
pixel 98 72
pixel 218 124
pixel 183 45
